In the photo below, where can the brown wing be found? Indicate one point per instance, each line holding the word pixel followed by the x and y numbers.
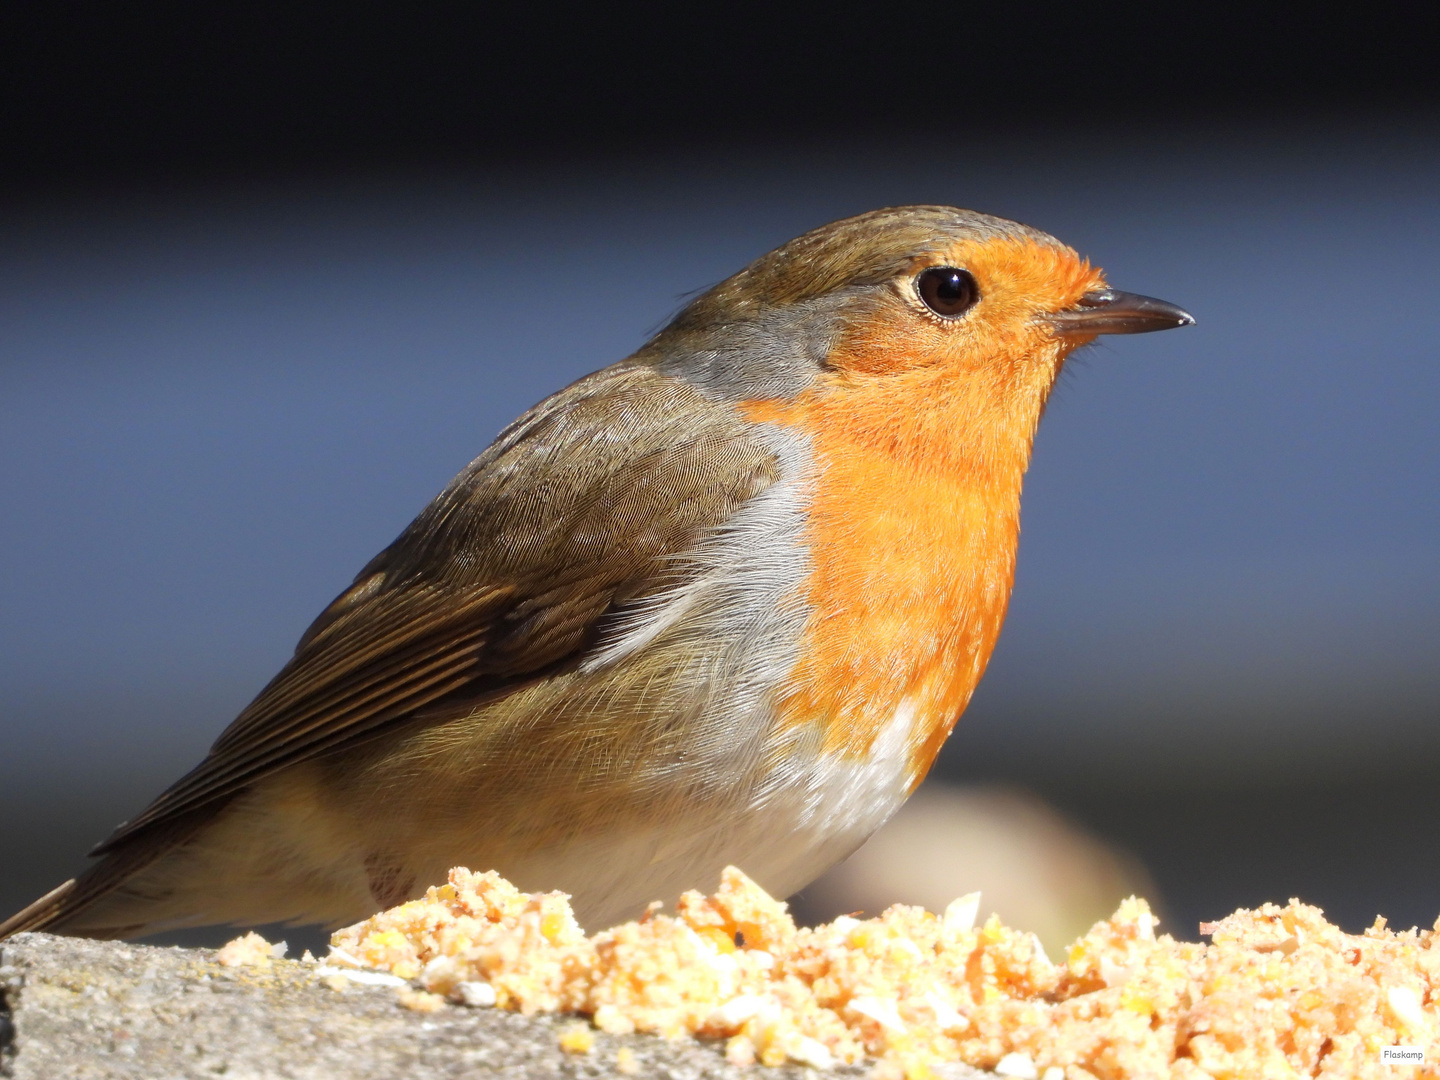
pixel 577 506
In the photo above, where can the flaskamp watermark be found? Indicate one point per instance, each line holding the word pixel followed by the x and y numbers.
pixel 1402 1055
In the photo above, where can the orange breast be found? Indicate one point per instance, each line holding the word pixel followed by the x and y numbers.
pixel 912 534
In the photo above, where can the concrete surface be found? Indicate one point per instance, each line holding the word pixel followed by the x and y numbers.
pixel 72 1009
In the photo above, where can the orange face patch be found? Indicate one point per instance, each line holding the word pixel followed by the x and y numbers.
pixel 921 433
pixel 1018 279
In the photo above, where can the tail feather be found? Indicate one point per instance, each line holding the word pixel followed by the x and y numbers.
pixel 41 913
pixel 60 910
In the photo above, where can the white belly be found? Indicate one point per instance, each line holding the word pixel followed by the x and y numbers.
pixel 807 819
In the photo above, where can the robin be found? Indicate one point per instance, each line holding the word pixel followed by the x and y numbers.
pixel 721 602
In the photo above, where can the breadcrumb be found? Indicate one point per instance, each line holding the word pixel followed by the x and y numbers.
pixel 577 1039
pixel 1277 991
pixel 626 1064
pixel 249 950
pixel 421 1001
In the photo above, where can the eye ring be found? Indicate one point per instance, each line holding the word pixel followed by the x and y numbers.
pixel 948 291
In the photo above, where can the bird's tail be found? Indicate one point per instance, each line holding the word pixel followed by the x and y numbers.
pixel 70 908
pixel 40 913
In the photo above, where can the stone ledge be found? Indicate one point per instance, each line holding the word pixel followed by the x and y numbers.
pixel 75 1009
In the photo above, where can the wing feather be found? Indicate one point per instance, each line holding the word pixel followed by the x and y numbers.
pixel 582 503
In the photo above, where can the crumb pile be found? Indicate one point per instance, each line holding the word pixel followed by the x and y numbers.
pixel 1278 991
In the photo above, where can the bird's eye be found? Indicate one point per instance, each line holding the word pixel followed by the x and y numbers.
pixel 948 291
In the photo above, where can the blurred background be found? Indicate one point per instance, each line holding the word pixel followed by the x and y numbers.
pixel 269 277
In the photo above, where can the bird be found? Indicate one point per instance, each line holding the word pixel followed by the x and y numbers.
pixel 718 603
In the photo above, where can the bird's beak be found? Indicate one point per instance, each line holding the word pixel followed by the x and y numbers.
pixel 1109 311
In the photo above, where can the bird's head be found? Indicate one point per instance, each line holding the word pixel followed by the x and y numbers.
pixel 925 309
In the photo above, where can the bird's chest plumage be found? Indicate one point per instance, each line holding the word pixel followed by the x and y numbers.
pixel 857 606
pixel 909 571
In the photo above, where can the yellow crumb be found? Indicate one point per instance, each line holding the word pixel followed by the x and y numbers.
pixel 250 950
pixel 577 1038
pixel 1277 991
pixel 739 1050
pixel 625 1062
pixel 421 1001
